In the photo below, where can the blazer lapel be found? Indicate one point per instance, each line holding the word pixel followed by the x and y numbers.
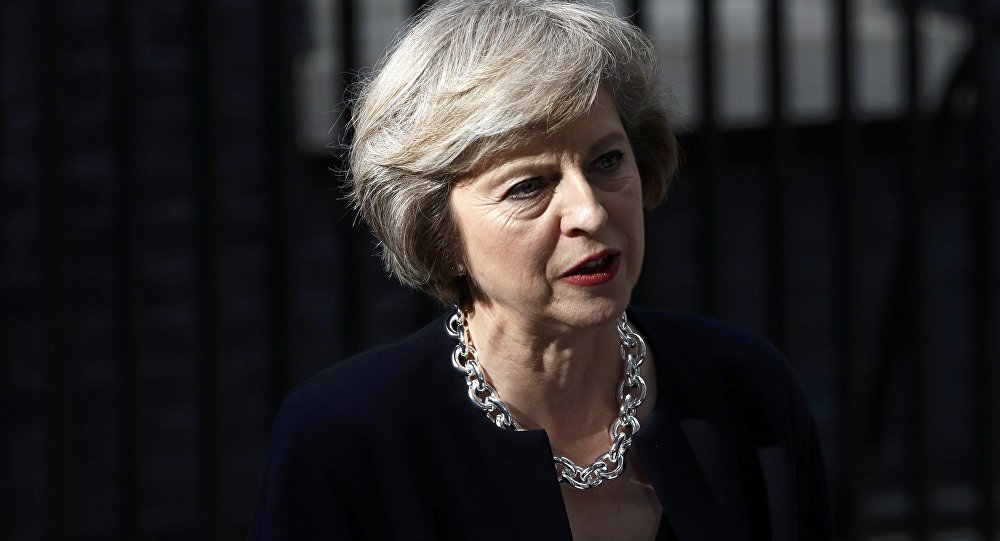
pixel 777 469
pixel 681 485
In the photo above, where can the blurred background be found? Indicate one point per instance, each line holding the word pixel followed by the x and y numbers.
pixel 176 252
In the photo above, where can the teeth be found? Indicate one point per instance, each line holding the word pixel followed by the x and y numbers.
pixel 597 262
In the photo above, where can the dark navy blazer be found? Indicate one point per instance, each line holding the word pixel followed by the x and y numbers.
pixel 386 445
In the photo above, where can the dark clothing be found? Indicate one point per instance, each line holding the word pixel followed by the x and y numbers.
pixel 386 445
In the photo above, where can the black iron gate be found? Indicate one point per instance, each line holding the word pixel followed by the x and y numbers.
pixel 172 263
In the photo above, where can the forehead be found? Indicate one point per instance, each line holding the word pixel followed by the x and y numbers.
pixel 602 121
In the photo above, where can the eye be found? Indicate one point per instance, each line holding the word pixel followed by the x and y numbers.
pixel 526 189
pixel 609 161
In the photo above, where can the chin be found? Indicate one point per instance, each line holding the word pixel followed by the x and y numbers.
pixel 596 312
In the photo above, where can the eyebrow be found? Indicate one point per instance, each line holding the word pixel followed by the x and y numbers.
pixel 508 170
pixel 616 136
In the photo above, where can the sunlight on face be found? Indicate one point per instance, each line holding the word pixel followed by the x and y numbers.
pixel 552 232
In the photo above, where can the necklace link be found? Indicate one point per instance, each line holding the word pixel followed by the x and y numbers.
pixel 631 393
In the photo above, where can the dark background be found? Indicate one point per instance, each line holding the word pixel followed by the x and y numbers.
pixel 171 263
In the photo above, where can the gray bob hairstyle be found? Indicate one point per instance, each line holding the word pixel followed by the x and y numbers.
pixel 469 79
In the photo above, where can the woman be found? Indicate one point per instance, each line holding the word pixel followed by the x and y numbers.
pixel 503 153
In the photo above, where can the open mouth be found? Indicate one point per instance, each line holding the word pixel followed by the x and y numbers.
pixel 601 264
pixel 595 271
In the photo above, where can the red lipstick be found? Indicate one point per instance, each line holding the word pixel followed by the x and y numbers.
pixel 596 269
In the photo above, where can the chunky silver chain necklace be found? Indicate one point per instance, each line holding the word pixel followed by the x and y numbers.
pixel 631 393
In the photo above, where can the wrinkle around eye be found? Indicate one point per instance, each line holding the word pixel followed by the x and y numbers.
pixel 609 162
pixel 516 192
pixel 616 157
pixel 504 218
pixel 525 208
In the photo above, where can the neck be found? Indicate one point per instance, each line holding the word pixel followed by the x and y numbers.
pixel 562 381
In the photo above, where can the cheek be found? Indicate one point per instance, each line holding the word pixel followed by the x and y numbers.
pixel 632 225
pixel 518 254
pixel 635 228
pixel 472 224
pixel 639 239
pixel 498 249
pixel 628 211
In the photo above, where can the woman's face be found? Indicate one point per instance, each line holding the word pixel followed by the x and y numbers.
pixel 552 233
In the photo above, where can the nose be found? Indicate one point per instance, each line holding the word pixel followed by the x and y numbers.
pixel 582 210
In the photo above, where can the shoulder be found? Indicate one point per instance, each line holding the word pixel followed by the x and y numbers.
pixel 711 368
pixel 699 344
pixel 317 478
pixel 358 390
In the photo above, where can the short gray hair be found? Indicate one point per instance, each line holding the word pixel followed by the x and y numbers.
pixel 468 79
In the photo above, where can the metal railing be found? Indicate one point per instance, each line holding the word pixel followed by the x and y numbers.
pixel 45 478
